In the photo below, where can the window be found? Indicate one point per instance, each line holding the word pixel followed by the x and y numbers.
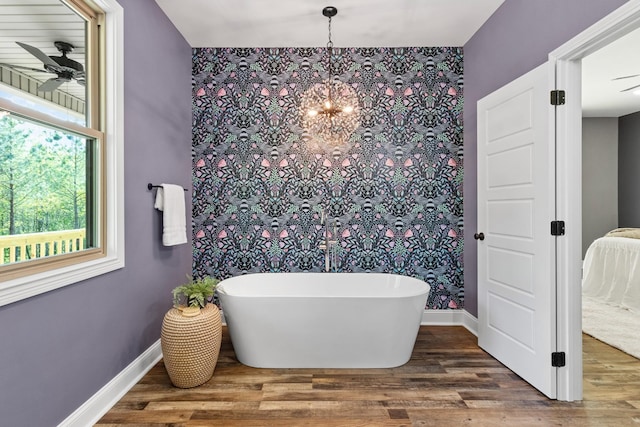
pixel 48 203
pixel 61 160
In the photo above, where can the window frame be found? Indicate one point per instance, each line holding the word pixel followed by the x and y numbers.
pixel 65 270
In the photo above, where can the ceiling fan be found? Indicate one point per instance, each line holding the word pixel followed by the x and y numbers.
pixel 628 77
pixel 65 69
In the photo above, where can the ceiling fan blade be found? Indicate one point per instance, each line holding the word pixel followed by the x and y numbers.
pixel 630 88
pixel 51 84
pixel 625 77
pixel 20 67
pixel 39 54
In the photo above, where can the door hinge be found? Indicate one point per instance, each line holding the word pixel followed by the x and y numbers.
pixel 557 228
pixel 558 359
pixel 557 97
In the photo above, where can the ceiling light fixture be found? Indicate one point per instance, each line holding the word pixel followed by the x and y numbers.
pixel 330 110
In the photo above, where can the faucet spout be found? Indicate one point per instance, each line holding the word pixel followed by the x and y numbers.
pixel 328 245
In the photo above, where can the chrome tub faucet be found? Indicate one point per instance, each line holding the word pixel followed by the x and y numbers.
pixel 328 245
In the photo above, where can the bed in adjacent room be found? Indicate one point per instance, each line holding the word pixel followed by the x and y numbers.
pixel 611 289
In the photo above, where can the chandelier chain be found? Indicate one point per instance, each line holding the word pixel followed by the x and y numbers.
pixel 330 111
pixel 330 51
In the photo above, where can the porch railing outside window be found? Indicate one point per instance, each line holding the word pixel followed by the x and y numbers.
pixel 22 247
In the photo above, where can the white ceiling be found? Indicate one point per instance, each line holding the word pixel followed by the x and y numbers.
pixel 601 95
pixel 381 23
pixel 300 23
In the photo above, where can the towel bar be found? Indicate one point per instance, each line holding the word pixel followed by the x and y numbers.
pixel 150 186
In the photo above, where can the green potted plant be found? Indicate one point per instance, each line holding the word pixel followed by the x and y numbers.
pixel 192 333
pixel 194 295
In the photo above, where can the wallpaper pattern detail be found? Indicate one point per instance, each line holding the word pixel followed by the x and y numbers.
pixel 393 192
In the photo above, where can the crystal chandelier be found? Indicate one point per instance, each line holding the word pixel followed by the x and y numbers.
pixel 330 110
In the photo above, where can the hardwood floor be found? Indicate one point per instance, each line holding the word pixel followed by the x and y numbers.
pixel 449 381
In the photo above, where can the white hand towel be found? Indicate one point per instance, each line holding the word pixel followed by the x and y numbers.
pixel 170 200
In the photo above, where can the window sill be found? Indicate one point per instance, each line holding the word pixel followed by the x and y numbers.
pixel 29 286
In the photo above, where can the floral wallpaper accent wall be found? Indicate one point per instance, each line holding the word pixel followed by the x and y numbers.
pixel 392 193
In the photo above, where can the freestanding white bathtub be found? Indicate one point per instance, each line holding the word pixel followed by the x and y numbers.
pixel 323 320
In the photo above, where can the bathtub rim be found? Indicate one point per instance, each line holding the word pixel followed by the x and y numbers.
pixel 421 286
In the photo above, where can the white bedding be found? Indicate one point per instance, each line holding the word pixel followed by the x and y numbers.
pixel 611 272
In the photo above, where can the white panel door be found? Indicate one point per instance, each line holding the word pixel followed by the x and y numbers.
pixel 516 204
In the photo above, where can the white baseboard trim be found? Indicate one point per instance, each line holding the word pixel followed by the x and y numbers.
pixel 99 404
pixel 470 322
pixel 451 318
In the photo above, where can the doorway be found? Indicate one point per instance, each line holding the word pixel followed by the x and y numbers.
pixel 568 62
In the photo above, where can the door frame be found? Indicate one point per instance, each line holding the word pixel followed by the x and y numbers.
pixel 567 60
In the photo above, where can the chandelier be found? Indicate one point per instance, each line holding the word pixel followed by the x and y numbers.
pixel 330 109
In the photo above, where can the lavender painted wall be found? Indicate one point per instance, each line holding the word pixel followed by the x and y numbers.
pixel 628 172
pixel 516 39
pixel 61 347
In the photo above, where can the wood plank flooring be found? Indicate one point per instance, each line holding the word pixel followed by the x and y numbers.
pixel 449 381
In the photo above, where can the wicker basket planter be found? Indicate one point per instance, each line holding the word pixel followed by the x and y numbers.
pixel 191 345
